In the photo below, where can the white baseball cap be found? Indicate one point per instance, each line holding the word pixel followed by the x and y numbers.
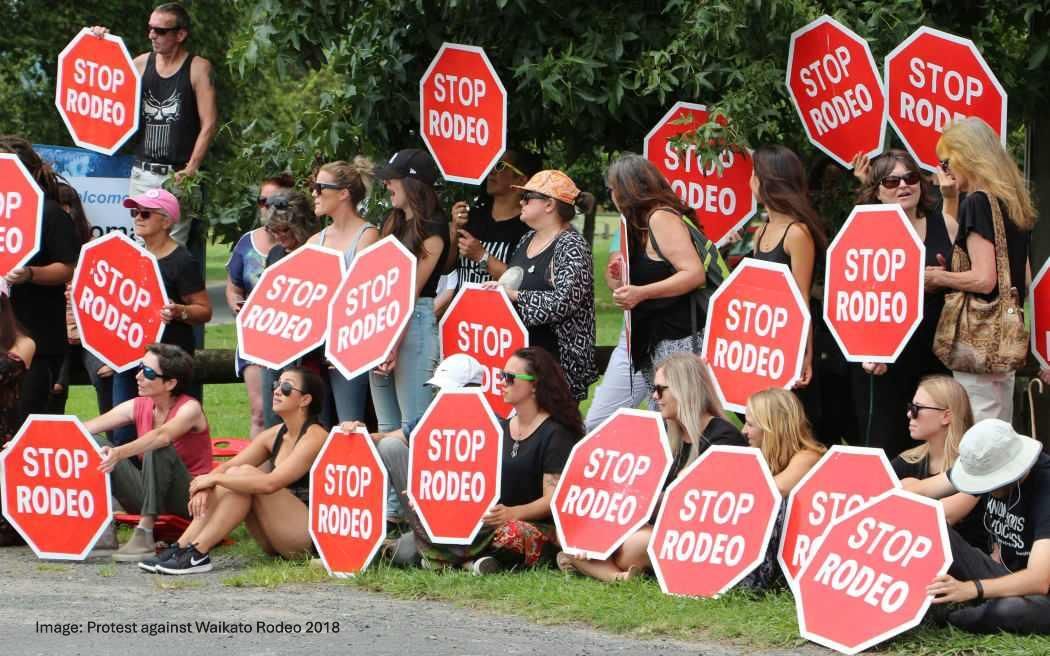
pixel 457 371
pixel 992 455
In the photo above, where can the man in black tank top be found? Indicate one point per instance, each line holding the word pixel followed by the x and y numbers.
pixel 178 113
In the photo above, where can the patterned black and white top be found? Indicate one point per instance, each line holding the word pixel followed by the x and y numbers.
pixel 566 306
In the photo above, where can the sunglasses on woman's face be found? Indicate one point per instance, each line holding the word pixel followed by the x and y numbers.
pixel 914 409
pixel 504 165
pixel 945 165
pixel 286 388
pixel 318 187
pixel 894 181
pixel 659 391
pixel 152 374
pixel 145 214
pixel 508 377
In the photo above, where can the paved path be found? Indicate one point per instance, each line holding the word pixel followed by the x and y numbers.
pixel 74 594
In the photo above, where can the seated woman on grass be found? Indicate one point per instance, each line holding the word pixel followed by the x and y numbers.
pixel 266 486
pixel 683 393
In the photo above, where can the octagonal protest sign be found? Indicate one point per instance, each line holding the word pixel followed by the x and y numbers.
pixel 715 523
pixel 371 308
pixel 611 483
pixel 873 284
pixel 98 91
pixel 722 198
pixel 843 480
pixel 51 489
pixel 463 113
pixel 756 332
pixel 348 485
pixel 934 79
pixel 286 314
pixel 116 296
pixel 21 214
pixel 1040 302
pixel 454 465
pixel 484 324
pixel 866 582
pixel 836 89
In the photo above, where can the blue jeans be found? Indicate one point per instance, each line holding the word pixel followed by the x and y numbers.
pixel 620 388
pixel 350 396
pixel 404 393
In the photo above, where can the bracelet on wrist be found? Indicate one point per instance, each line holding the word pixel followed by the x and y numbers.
pixel 29 270
pixel 980 589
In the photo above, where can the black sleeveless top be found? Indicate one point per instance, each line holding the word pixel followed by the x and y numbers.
pixel 777 254
pixel 537 276
pixel 169 120
pixel 301 487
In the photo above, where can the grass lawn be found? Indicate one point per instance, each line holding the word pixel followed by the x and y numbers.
pixel 215 259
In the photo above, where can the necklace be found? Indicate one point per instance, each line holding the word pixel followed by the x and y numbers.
pixel 524 434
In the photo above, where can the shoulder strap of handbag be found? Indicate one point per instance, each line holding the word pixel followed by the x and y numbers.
pixel 1002 261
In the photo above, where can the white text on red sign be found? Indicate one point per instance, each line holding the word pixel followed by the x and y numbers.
pixel 105 79
pixel 48 462
pixel 623 469
pixel 463 91
pixel 699 546
pixel 453 445
pixel 130 296
pixel 348 481
pixel 827 72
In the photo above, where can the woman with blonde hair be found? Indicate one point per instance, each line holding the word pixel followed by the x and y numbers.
pixel 685 397
pixel 776 423
pixel 938 416
pixel 338 189
pixel 971 152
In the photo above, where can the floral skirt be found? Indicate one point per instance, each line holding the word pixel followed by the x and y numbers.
pixel 515 544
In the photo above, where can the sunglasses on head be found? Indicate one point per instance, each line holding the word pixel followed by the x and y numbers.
pixel 914 409
pixel 150 373
pixel 508 377
pixel 318 187
pixel 504 165
pixel 160 30
pixel 286 388
pixel 894 181
pixel 659 391
pixel 145 214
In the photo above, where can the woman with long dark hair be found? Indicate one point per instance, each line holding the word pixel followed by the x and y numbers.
pixel 537 440
pixel 38 288
pixel 16 356
pixel 266 486
pixel 665 267
pixel 417 220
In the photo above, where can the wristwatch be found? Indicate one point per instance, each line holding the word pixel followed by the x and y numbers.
pixel 484 258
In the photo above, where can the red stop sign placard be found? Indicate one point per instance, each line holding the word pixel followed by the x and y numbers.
pixel 97 93
pixel 845 479
pixel 21 214
pixel 484 324
pixel 755 337
pixel 371 308
pixel 934 78
pixel 611 483
pixel 463 113
pixel 117 294
pixel 873 285
pixel 347 502
pixel 723 200
pixel 1040 299
pixel 715 522
pixel 836 89
pixel 286 314
pixel 51 489
pixel 867 581
pixel 454 465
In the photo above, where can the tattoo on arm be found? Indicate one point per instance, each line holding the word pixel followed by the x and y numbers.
pixel 550 481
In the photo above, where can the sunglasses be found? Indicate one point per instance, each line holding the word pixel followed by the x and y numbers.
pixel 659 391
pixel 152 374
pixel 145 214
pixel 318 187
pixel 276 202
pixel 286 388
pixel 894 181
pixel 914 409
pixel 945 165
pixel 278 229
pixel 504 165
pixel 160 30
pixel 509 378
pixel 534 195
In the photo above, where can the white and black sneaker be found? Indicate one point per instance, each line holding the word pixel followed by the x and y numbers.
pixel 186 561
pixel 150 564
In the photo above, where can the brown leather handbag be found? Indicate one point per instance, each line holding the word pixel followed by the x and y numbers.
pixel 978 336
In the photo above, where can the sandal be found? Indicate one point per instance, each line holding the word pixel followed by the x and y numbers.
pixel 566 562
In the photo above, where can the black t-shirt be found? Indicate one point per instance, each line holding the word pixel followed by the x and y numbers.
pixel 275 254
pixel 970 526
pixel 182 276
pixel 498 237
pixel 537 276
pixel 975 215
pixel 41 309
pixel 440 228
pixel 718 432
pixel 1023 517
pixel 543 452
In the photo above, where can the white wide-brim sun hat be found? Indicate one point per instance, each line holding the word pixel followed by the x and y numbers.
pixel 992 455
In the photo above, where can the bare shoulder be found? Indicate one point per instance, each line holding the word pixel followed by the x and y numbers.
pixel 200 70
pixel 798 234
pixel 140 62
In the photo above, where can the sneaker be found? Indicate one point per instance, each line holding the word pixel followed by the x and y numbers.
pixel 485 565
pixel 186 561
pixel 137 549
pixel 150 564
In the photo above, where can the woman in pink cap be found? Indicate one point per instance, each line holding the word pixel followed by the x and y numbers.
pixel 154 215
